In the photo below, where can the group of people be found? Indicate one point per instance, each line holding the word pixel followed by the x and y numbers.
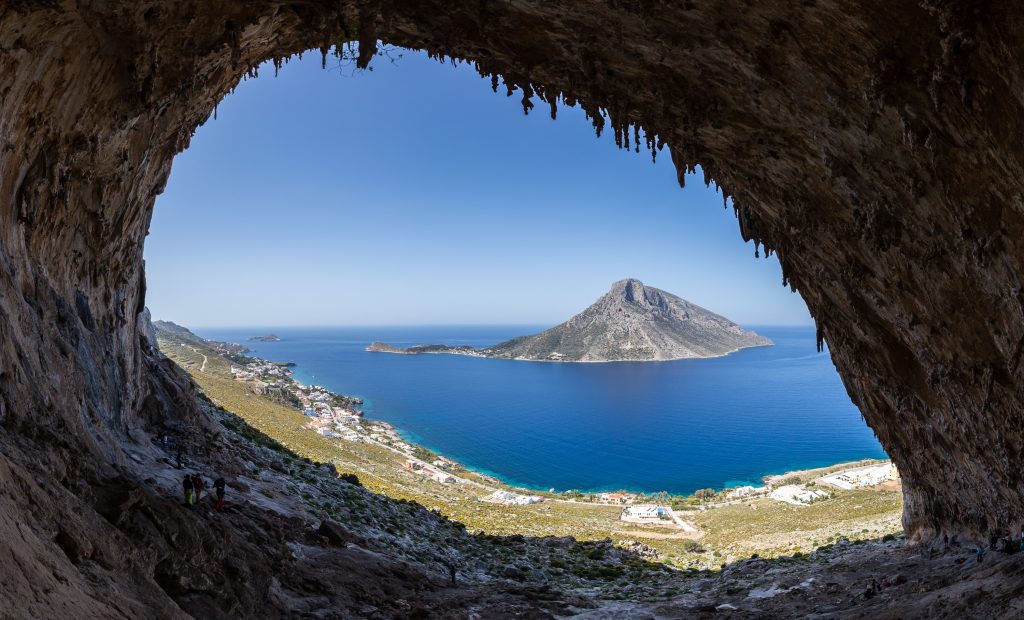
pixel 193 485
pixel 875 586
pixel 1006 544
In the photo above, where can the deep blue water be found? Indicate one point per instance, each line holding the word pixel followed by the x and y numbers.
pixel 667 426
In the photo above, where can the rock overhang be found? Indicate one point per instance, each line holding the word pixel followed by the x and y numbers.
pixel 870 147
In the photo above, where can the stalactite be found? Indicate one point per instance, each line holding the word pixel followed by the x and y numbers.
pixel 527 98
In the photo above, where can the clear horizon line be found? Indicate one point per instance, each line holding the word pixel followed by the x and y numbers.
pixel 496 324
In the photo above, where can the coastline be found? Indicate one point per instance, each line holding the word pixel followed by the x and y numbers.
pixel 498 478
pixel 295 371
pixel 479 354
pixel 765 478
pixel 700 532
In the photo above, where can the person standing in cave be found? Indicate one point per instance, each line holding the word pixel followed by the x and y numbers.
pixel 219 485
pixel 188 487
pixel 199 484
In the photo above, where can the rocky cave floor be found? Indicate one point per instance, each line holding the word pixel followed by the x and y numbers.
pixel 297 541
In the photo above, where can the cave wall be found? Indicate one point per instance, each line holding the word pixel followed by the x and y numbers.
pixel 874 147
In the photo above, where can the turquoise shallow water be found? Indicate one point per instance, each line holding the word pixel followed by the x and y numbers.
pixel 667 426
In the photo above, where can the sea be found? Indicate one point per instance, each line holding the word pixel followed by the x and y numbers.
pixel 673 426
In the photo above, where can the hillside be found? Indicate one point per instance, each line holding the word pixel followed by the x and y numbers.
pixel 631 322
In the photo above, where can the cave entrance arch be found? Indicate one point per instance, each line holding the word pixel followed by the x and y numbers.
pixel 873 151
pixel 269 219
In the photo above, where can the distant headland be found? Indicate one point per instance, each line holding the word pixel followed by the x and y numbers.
pixel 631 322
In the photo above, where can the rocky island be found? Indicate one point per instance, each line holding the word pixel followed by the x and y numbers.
pixel 631 322
pixel 266 338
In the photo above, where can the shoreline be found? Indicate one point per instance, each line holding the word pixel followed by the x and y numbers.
pixel 492 477
pixel 698 531
pixel 551 361
pixel 766 478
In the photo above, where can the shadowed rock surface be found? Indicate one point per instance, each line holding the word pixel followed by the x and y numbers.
pixel 631 322
pixel 874 147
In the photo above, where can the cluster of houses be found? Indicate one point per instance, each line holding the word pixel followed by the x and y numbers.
pixel 328 420
pixel 513 499
pixel 316 402
pixel 387 435
pixel 261 370
pixel 618 498
pixel 430 472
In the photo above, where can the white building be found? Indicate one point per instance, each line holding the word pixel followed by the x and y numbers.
pixel 505 497
pixel 644 512
pixel 861 476
pixel 745 491
pixel 439 476
pixel 797 495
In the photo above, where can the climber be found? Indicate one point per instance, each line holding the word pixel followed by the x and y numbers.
pixel 219 485
pixel 199 484
pixel 980 551
pixel 187 485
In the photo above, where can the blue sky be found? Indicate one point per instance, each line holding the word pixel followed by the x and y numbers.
pixel 412 194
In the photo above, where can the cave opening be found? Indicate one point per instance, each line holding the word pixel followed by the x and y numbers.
pixel 281 213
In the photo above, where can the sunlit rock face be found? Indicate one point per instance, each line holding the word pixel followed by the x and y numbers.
pixel 873 146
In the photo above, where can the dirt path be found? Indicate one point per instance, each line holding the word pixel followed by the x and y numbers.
pixel 683 524
pixel 659 535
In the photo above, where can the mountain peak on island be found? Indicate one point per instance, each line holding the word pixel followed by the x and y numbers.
pixel 631 322
pixel 635 292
